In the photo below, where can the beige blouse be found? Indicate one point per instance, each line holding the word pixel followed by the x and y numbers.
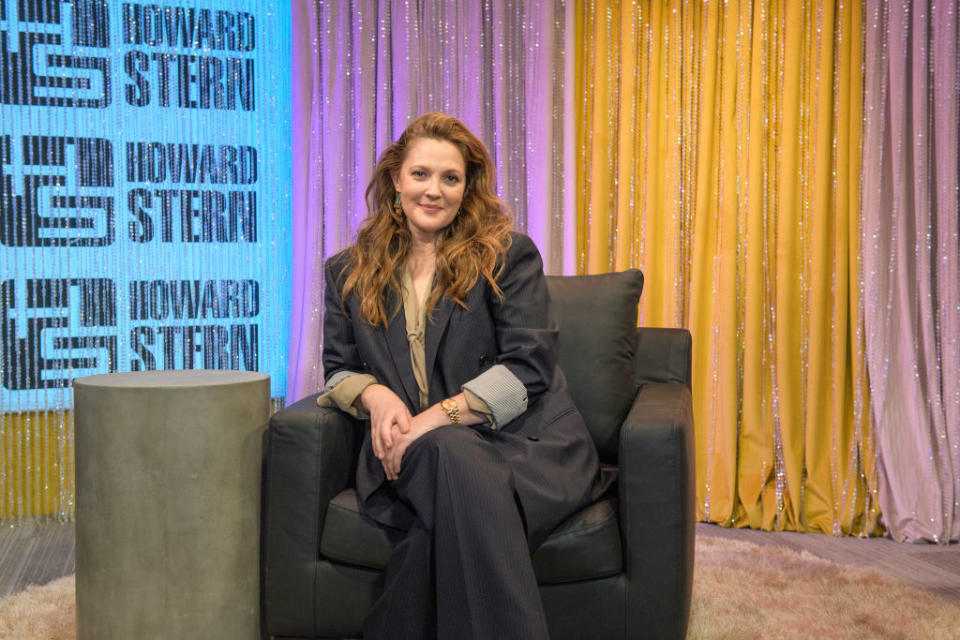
pixel 345 394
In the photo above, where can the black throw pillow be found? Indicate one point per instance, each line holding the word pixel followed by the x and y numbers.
pixel 598 339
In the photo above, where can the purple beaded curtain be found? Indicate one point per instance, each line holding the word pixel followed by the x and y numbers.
pixel 911 262
pixel 363 69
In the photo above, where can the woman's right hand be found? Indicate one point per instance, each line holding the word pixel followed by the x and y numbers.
pixel 387 411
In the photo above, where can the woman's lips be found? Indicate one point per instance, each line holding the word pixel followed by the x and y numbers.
pixel 432 208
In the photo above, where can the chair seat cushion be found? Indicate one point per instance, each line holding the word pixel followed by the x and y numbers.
pixel 583 547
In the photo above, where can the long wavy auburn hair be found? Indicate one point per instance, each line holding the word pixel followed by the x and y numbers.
pixel 473 245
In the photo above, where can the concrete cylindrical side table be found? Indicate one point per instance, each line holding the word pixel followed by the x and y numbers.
pixel 168 502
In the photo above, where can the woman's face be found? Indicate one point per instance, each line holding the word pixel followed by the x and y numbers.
pixel 431 183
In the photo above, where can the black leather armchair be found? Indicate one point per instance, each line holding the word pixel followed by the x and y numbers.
pixel 622 568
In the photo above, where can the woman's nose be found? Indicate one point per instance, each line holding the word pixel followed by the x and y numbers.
pixel 433 189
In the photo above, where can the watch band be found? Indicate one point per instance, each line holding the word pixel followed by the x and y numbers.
pixel 453 410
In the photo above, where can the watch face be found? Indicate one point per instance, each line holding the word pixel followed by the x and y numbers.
pixel 453 411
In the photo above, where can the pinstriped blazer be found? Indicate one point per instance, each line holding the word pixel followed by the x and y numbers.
pixel 502 349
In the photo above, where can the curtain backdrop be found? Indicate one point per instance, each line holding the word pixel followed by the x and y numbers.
pixel 911 274
pixel 363 69
pixel 718 150
pixel 716 145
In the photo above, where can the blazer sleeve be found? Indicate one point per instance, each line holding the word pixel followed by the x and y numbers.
pixel 526 336
pixel 341 359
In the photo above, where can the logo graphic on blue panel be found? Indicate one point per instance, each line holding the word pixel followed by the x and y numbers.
pixel 54 329
pixel 39 53
pixel 144 190
pixel 56 191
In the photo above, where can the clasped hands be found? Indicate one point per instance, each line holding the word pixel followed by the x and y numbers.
pixel 392 428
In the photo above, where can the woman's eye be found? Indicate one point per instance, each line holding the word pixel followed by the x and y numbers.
pixel 453 179
pixel 417 173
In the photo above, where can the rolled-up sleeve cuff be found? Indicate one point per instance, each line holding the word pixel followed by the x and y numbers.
pixel 343 389
pixel 479 407
pixel 503 393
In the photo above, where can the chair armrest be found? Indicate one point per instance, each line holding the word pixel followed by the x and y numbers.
pixel 656 487
pixel 663 355
pixel 310 457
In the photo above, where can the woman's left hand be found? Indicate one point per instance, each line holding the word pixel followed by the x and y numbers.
pixel 427 420
pixel 393 454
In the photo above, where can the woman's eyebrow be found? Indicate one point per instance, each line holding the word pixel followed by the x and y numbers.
pixel 429 168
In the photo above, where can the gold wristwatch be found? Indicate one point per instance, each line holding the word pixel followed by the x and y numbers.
pixel 453 411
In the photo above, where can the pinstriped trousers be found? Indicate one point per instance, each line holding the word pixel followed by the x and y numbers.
pixel 463 569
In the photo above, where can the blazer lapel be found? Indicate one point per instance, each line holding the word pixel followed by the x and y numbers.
pixel 396 337
pixel 434 331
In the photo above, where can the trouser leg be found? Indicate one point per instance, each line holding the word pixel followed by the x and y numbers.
pixel 461 489
pixel 406 610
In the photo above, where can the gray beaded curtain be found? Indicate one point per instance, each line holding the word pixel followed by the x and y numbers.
pixel 911 262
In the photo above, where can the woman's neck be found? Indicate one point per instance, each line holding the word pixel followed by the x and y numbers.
pixel 423 257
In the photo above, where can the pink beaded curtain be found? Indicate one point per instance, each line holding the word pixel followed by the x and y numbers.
pixel 363 69
pixel 911 262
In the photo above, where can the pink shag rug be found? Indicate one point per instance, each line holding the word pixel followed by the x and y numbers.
pixel 740 591
pixel 40 613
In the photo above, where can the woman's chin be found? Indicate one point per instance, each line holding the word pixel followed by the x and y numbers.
pixel 428 231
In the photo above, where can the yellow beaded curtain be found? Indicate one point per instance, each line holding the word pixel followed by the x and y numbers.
pixel 719 152
pixel 36 464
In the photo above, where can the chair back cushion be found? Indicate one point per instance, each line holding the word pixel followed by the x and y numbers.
pixel 598 338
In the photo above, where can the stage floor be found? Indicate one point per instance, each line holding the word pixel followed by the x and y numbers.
pixel 36 551
pixel 931 567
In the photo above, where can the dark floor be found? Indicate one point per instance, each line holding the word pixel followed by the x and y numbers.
pixel 38 551
pixel 33 552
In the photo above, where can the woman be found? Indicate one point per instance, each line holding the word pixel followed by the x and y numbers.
pixel 438 329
